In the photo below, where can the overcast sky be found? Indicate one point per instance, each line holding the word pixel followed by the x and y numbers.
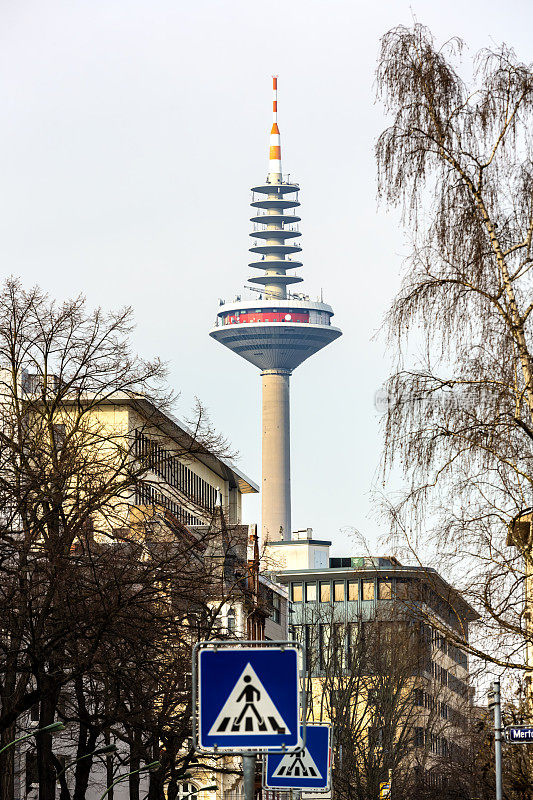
pixel 131 131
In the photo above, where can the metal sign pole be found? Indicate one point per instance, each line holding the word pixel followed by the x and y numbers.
pixel 495 704
pixel 247 699
pixel 248 771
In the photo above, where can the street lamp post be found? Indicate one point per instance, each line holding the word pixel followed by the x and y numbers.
pixel 152 765
pixel 55 727
pixel 109 748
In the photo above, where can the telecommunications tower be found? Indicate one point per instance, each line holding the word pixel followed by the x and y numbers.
pixel 276 330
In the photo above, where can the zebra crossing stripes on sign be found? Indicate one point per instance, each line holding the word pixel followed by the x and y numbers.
pixel 248 709
pixel 248 698
pixel 298 765
pixel 307 769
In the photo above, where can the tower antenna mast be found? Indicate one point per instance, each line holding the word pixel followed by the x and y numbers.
pixel 277 332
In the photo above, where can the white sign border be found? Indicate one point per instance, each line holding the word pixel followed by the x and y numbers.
pixel 240 644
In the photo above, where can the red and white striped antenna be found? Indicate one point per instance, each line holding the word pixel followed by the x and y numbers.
pixel 275 141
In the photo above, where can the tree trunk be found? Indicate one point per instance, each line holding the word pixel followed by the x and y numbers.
pixel 135 763
pixel 45 767
pixel 156 786
pixel 7 765
pixel 83 767
pixel 109 768
pixel 64 793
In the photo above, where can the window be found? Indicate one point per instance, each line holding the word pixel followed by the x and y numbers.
pixel 402 589
pixel 231 624
pixel 59 433
pixel 419 737
pixel 297 632
pixel 338 591
pixel 310 592
pixel 309 647
pixel 419 697
pixel 384 590
pixel 296 592
pixel 353 590
pixel 368 590
pixel 186 791
pixel 352 635
pixel 325 592
pixel 324 633
pixel 276 606
pixel 338 646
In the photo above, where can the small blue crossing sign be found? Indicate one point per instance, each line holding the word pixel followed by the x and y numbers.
pixel 248 698
pixel 308 769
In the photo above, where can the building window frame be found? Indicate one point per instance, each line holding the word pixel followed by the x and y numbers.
pixel 276 608
pixel 339 588
pixel 384 589
pixel 353 584
pixel 325 591
pixel 310 592
pixel 297 592
pixel 368 584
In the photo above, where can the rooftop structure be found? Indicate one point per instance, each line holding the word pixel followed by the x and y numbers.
pixel 276 331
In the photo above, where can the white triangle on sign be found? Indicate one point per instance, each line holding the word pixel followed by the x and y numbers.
pixel 248 710
pixel 297 765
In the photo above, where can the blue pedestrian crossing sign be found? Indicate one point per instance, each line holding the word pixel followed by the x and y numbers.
pixel 309 768
pixel 248 698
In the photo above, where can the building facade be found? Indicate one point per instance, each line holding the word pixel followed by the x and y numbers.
pixel 183 489
pixel 384 658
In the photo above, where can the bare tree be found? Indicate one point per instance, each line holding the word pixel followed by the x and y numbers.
pixel 458 159
pixel 138 687
pixel 84 583
pixel 372 679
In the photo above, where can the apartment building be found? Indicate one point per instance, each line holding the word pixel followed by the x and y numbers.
pixel 185 488
pixel 360 616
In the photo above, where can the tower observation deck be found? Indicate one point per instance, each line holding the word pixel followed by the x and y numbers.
pixel 276 331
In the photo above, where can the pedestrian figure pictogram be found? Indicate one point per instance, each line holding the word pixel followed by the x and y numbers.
pixel 297 765
pixel 248 709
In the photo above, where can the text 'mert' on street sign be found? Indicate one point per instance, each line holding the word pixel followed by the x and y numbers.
pixel 248 698
pixel 384 790
pixel 519 734
pixel 308 769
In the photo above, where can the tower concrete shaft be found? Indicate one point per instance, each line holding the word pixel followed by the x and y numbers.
pixel 276 472
pixel 274 329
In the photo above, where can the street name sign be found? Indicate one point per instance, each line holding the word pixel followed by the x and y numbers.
pixel 384 790
pixel 308 769
pixel 519 734
pixel 248 697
